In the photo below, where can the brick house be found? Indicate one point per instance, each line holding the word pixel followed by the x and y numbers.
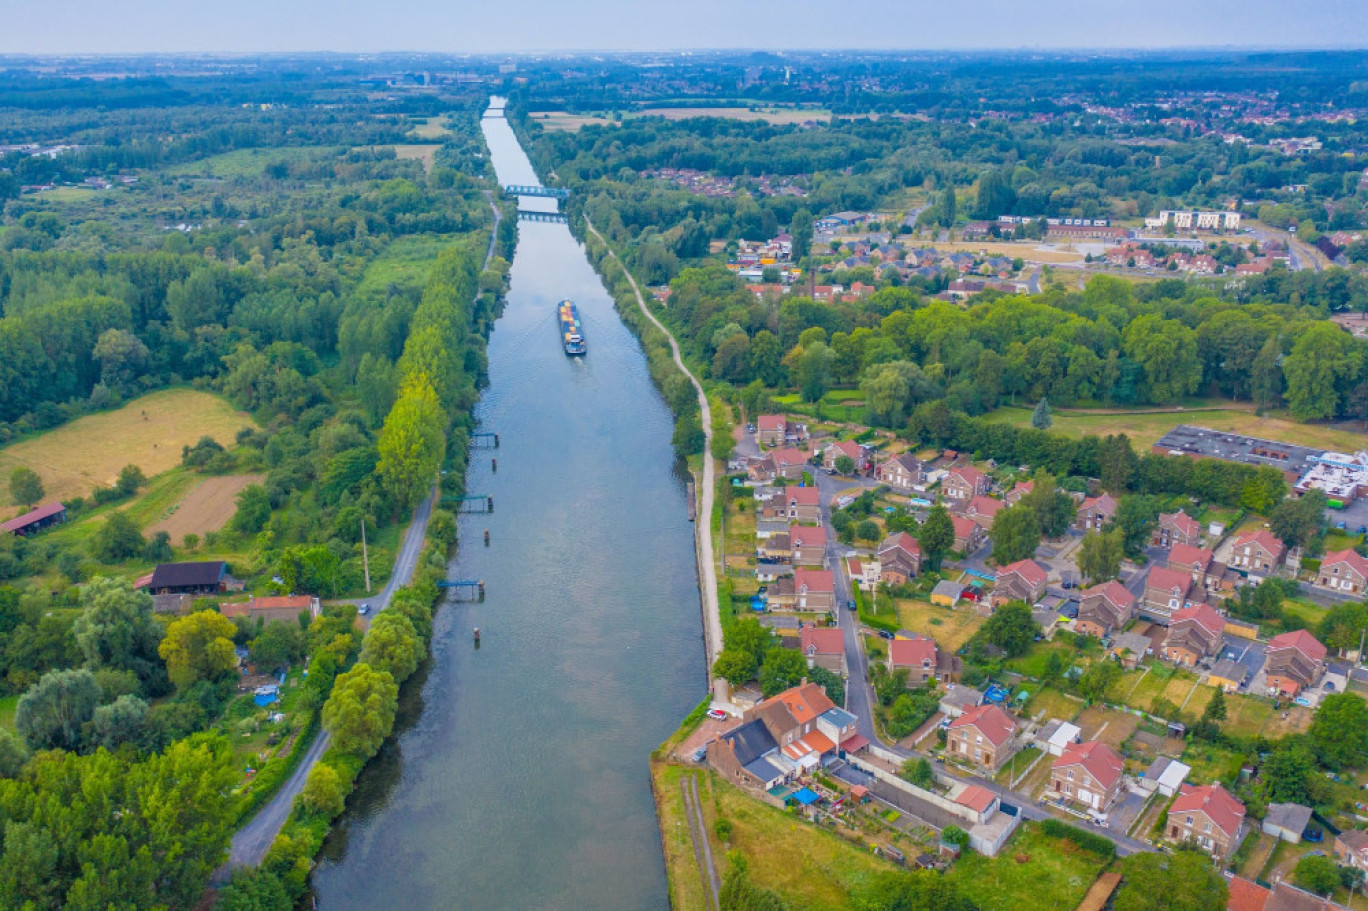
pixel 984 736
pixel 1194 634
pixel 1210 816
pixel 969 535
pixel 1343 572
pixel 814 590
pixel 1104 608
pixel 1176 528
pixel 823 646
pixel 899 558
pixel 924 660
pixel 807 545
pixel 1166 592
pixel 1094 512
pixel 1351 849
pixel 964 483
pixel 984 510
pixel 905 472
pixel 1088 774
pixel 1019 490
pixel 1021 581
pixel 1258 552
pixel 849 448
pixel 777 430
pixel 1197 562
pixel 745 756
pixel 804 505
pixel 1294 661
pixel 274 609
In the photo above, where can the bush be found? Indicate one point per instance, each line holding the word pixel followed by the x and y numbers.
pixel 1088 841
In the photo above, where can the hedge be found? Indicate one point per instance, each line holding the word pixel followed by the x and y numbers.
pixel 1088 841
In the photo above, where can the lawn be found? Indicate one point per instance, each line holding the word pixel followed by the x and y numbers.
pixel 1211 763
pixel 249 162
pixel 148 432
pixel 1047 703
pixel 1032 871
pixel 1145 427
pixel 950 628
pixel 432 128
pixel 810 867
pixel 1033 663
pixel 7 706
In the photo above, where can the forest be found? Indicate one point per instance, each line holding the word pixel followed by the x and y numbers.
pixel 287 259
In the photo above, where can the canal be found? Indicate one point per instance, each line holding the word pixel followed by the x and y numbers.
pixel 520 778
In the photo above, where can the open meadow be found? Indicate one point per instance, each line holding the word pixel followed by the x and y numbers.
pixel 148 432
pixel 1146 426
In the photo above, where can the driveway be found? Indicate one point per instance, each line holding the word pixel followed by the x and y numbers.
pixel 1123 814
pixel 1248 652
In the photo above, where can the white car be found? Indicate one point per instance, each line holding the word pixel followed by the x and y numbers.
pixel 717 714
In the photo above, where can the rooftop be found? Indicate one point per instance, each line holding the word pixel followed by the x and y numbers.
pixel 1233 447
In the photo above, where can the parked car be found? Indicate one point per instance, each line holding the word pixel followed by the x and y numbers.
pixel 885 634
pixel 1313 835
pixel 363 609
pixel 717 714
pixel 750 428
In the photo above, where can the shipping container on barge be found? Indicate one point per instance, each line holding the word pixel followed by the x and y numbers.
pixel 572 333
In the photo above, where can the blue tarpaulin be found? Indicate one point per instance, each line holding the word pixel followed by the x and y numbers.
pixel 805 796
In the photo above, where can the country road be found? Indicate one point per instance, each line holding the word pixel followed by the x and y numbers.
pixel 252 841
pixel 712 618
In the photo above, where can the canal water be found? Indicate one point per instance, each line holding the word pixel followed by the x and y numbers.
pixel 521 779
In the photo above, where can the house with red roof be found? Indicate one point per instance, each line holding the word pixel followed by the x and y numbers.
pixel 273 608
pixel 807 545
pixel 1176 528
pixel 1194 633
pixel 1019 490
pixel 924 660
pixel 1244 894
pixel 1293 661
pixel 814 590
pixel 969 535
pixel 984 737
pixel 823 646
pixel 864 572
pixel 1104 608
pixel 1343 572
pixel 1259 552
pixel 778 430
pixel 963 483
pixel 984 510
pixel 1094 512
pixel 900 558
pixel 849 448
pixel 1208 816
pixel 1088 774
pixel 1167 591
pixel 978 800
pixel 1023 580
pixel 1198 562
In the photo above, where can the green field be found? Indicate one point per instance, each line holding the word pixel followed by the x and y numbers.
pixel 1032 871
pixel 1145 427
pixel 248 162
pixel 7 706
pixel 404 264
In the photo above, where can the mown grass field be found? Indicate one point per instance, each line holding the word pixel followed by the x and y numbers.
pixel 950 628
pixel 206 507
pixel 1032 871
pixel 810 867
pixel 432 128
pixel 1146 427
pixel 148 432
pixel 248 162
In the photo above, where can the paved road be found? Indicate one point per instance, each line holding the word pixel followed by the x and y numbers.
pixel 707 567
pixel 252 841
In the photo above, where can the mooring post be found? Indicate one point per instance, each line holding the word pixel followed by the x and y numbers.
pixel 494 464
pixel 486 537
pixel 482 590
pixel 496 441
pixel 489 501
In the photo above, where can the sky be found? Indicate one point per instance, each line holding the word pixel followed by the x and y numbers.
pixel 492 26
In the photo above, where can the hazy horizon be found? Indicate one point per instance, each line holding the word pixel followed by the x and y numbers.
pixel 613 26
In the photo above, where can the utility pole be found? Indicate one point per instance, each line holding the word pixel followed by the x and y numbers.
pixel 365 556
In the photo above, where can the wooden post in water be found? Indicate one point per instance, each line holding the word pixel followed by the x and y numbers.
pixel 489 501
pixel 477 637
pixel 494 464
pixel 481 585
pixel 486 537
